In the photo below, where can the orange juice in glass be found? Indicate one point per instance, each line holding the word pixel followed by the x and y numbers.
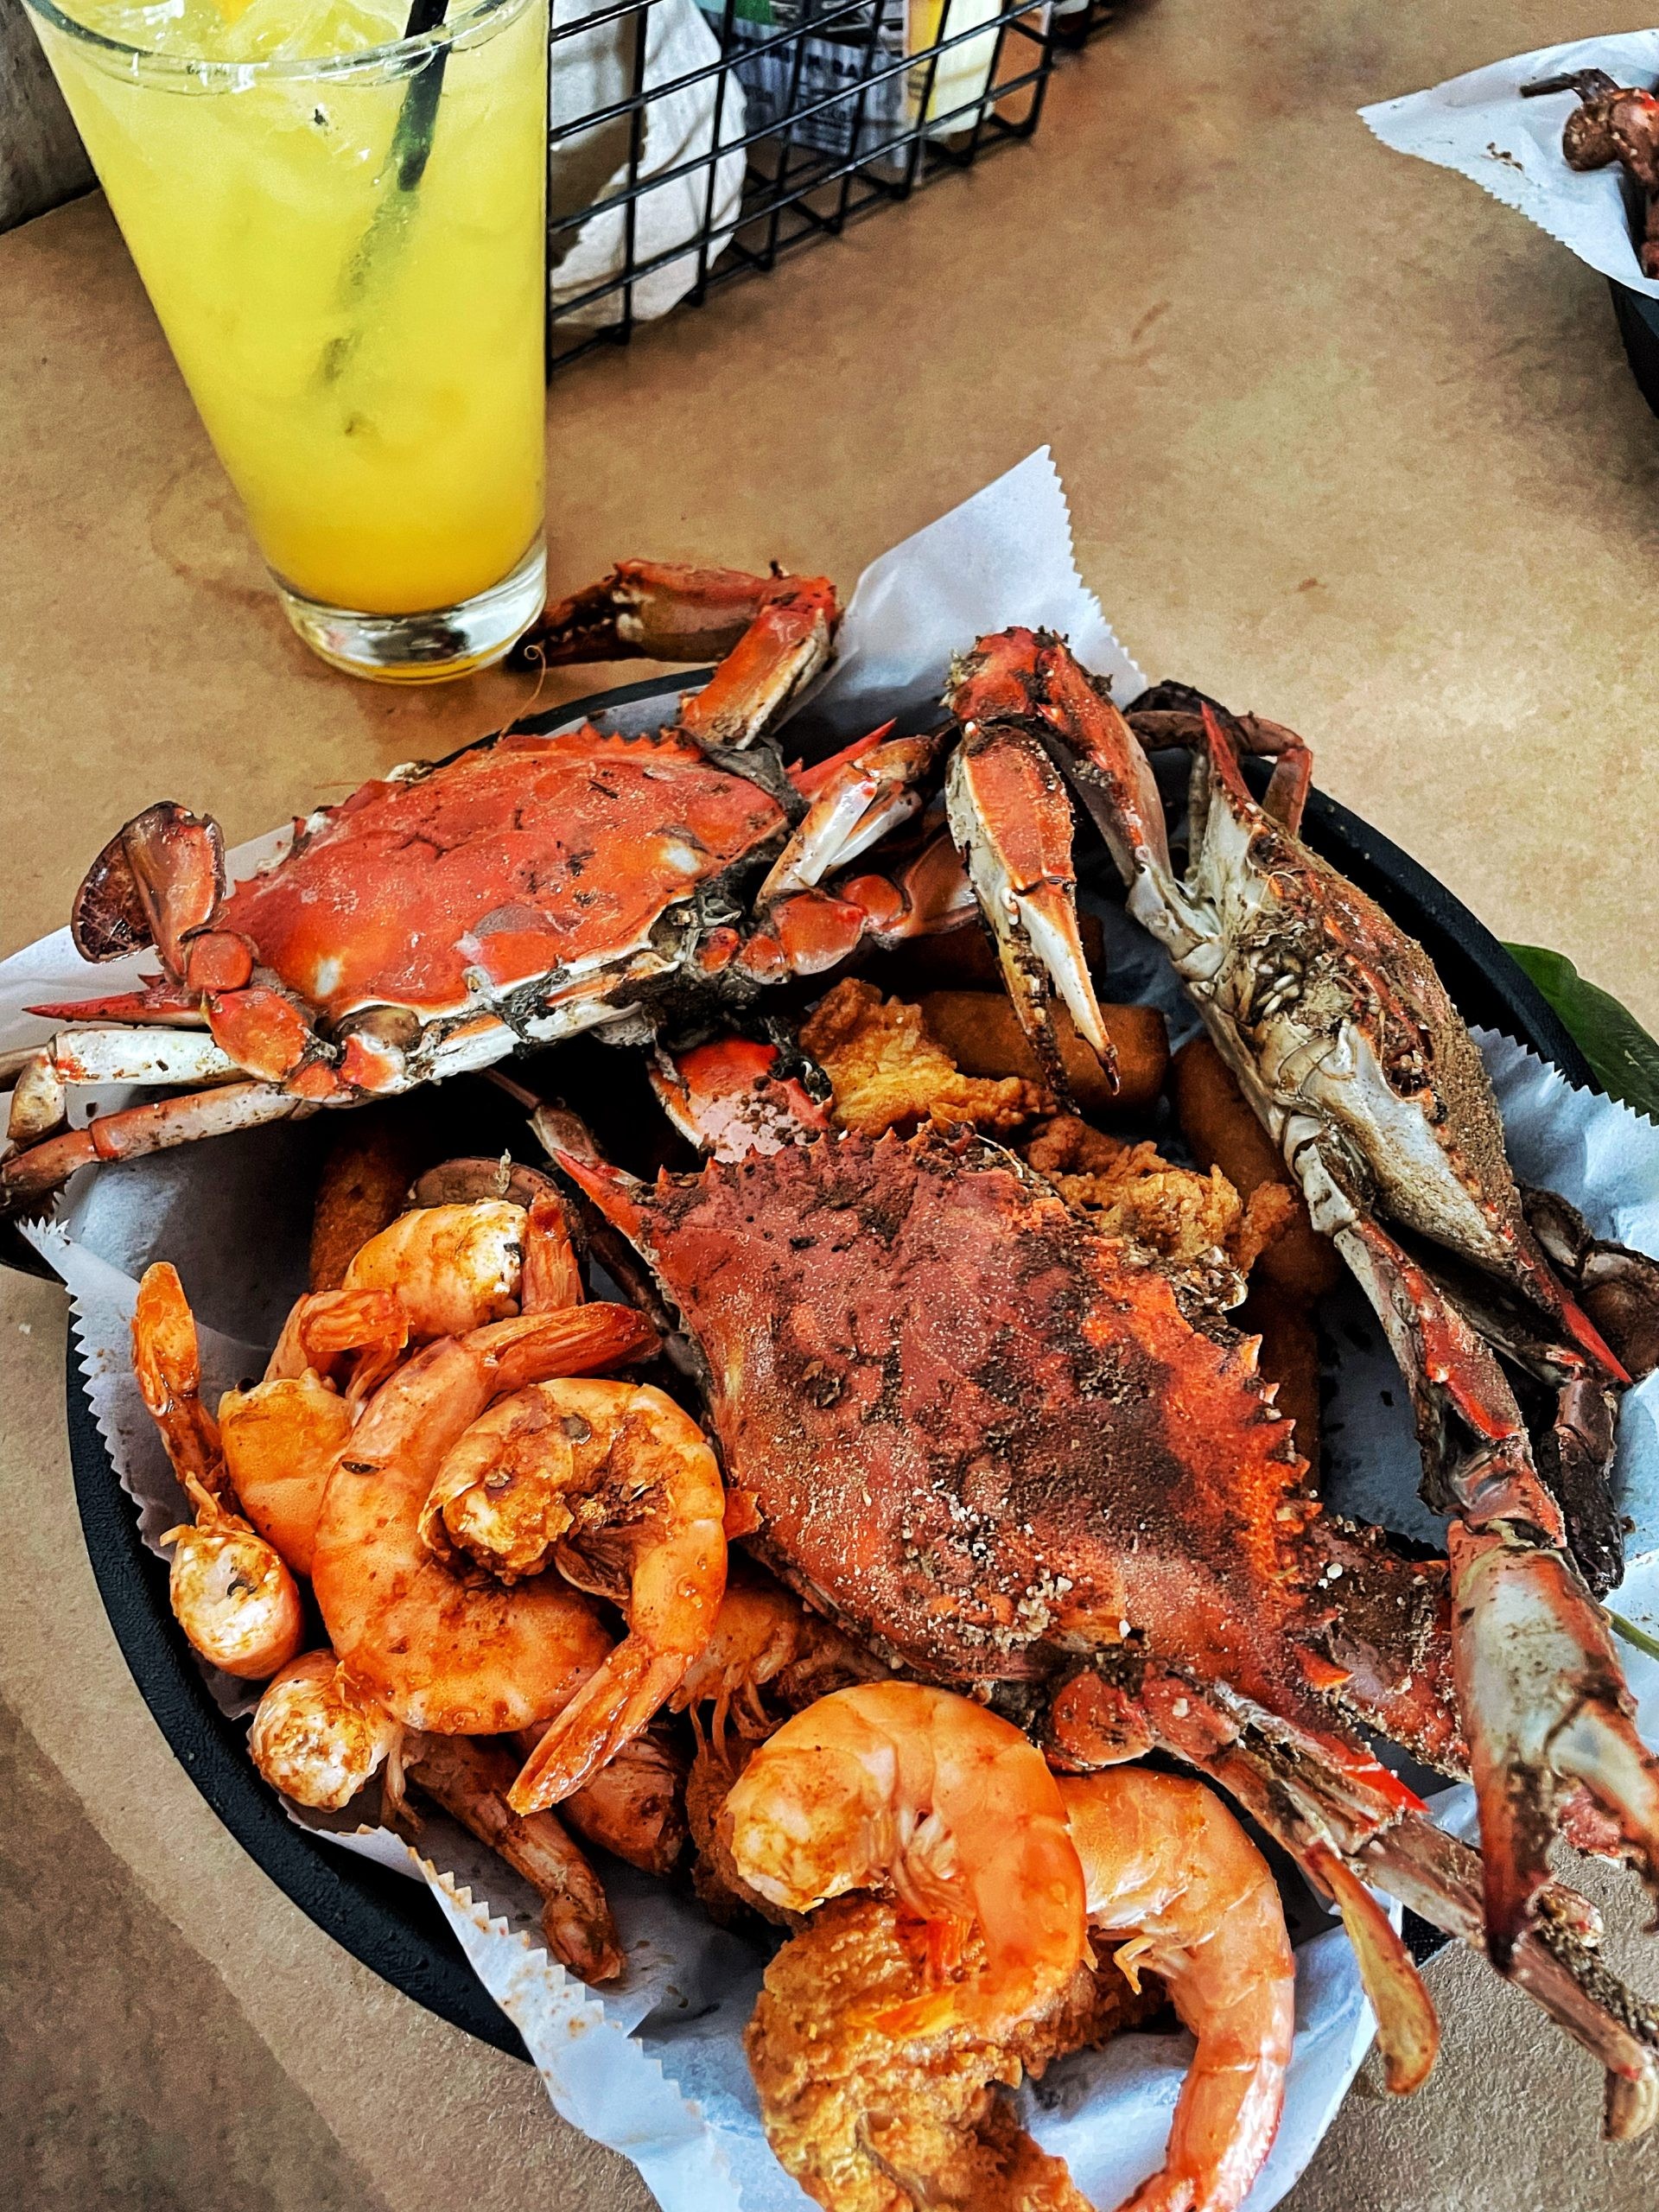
pixel 342 230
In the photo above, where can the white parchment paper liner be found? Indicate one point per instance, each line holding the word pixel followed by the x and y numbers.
pixel 655 2070
pixel 1479 125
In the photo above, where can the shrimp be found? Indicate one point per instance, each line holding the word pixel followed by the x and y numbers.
pixel 643 1513
pixel 441 1652
pixel 230 1590
pixel 319 1740
pixel 1169 1868
pixel 456 1268
pixel 634 1807
pixel 470 1782
pixel 763 1635
pixel 281 1438
pixel 315 1738
pixel 166 1363
pixel 894 1785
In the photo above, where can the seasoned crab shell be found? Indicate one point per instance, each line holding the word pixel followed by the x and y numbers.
pixel 970 1427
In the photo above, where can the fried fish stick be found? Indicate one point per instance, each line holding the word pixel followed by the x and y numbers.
pixel 982 1033
pixel 1289 1356
pixel 1218 1123
pixel 363 1188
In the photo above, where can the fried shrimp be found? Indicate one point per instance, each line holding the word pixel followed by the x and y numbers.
pixel 866 2123
pixel 1172 1872
pixel 230 1590
pixel 644 1514
pixel 893 1786
pixel 457 1267
pixel 455 1655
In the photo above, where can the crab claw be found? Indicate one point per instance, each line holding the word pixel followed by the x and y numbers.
pixel 1407 2028
pixel 158 881
pixel 1543 1701
pixel 1011 819
pixel 869 791
pixel 772 634
pixel 610 1189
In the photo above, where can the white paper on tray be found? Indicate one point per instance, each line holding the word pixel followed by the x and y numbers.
pixel 1479 125
pixel 655 2069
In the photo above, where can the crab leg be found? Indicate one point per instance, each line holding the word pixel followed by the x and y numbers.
pixel 40 1101
pixel 1540 1689
pixel 1170 715
pixel 770 635
pixel 1438 1878
pixel 1012 821
pixel 156 1126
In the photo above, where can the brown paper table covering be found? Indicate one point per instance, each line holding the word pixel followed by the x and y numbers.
pixel 1344 442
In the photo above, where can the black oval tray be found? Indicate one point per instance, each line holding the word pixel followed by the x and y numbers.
pixel 393 1924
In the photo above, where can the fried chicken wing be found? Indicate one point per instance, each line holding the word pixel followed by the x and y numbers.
pixel 1137 1196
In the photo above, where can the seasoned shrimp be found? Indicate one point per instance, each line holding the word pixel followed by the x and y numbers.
pixel 230 1590
pixel 166 1363
pixel 319 1740
pixel 1170 1870
pixel 763 1636
pixel 457 1655
pixel 281 1438
pixel 316 1738
pixel 470 1781
pixel 457 1267
pixel 892 1785
pixel 634 1807
pixel 644 1510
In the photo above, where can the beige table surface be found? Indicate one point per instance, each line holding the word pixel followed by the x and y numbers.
pixel 1344 439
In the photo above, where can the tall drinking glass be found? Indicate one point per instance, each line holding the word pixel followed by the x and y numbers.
pixel 342 230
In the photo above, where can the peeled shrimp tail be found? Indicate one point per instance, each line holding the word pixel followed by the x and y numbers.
pixel 627 1693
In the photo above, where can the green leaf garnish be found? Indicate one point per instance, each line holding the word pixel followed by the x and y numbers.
pixel 1624 1058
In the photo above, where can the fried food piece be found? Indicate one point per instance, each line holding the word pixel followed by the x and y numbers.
pixel 981 1033
pixel 869 2124
pixel 724 1893
pixel 1289 1356
pixel 888 1072
pixel 1140 1198
pixel 1218 1123
pixel 366 1178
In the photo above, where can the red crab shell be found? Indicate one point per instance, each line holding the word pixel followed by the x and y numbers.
pixel 972 1428
pixel 532 857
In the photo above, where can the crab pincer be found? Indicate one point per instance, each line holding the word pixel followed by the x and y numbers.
pixel 1012 821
